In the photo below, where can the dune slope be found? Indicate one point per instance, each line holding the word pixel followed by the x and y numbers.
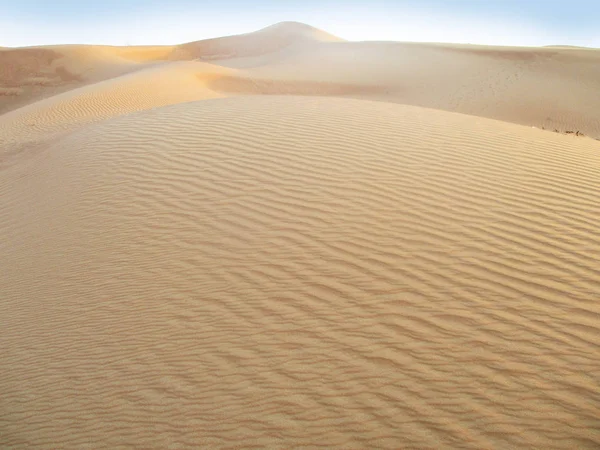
pixel 147 88
pixel 31 74
pixel 557 89
pixel 267 40
pixel 280 271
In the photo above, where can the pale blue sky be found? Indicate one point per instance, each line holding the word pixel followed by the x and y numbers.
pixel 136 22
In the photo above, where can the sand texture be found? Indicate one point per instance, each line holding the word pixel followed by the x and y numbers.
pixel 286 240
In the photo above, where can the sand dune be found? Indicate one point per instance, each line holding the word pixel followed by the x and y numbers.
pixel 268 40
pixel 33 73
pixel 550 88
pixel 251 252
pixel 144 89
pixel 281 270
pixel 36 73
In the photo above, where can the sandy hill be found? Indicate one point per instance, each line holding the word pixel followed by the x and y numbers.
pixel 267 40
pixel 299 243
pixel 33 73
pixel 551 88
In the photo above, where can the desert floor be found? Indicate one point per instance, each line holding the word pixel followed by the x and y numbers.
pixel 286 240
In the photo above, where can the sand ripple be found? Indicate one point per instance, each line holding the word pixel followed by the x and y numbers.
pixel 292 272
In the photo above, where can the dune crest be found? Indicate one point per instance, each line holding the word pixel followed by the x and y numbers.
pixel 270 39
pixel 145 89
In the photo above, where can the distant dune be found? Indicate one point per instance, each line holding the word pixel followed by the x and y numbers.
pixel 36 72
pixel 267 40
pixel 570 46
pixel 554 88
pixel 286 240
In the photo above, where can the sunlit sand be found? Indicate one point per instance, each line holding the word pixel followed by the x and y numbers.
pixel 286 240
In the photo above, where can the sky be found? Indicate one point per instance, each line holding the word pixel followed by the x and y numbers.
pixel 153 22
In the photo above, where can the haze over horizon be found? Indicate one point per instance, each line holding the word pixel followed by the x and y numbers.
pixel 136 22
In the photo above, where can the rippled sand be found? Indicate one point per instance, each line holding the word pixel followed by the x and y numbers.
pixel 192 258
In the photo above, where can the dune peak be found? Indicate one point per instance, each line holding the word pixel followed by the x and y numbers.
pixel 290 25
pixel 299 29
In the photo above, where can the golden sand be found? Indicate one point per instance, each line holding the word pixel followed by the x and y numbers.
pixel 299 242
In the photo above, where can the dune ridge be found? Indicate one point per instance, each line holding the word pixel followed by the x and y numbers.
pixel 33 73
pixel 310 242
pixel 548 87
pixel 144 89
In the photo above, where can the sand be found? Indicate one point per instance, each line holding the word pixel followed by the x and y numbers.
pixel 274 251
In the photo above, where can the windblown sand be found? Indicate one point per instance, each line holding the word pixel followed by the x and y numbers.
pixel 285 240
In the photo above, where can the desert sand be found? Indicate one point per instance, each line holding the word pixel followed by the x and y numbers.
pixel 286 240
